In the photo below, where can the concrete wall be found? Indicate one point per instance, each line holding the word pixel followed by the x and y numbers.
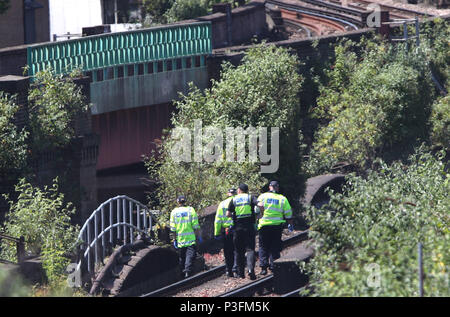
pixel 12 27
pixel 247 21
pixel 142 90
pixel 43 22
pixel 12 60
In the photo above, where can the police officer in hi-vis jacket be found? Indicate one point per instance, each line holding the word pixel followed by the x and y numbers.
pixel 223 230
pixel 184 222
pixel 275 210
pixel 242 210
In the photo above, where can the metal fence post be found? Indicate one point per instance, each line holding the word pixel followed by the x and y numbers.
pixel 21 249
pixel 417 31
pixel 405 33
pixel 420 256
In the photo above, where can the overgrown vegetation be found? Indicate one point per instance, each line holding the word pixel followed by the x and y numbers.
pixel 377 104
pixel 435 35
pixel 42 217
pixel 371 104
pixel 366 238
pixel 169 11
pixel 12 285
pixel 440 122
pixel 261 92
pixel 40 213
pixel 4 6
pixel 186 9
pixel 13 147
pixel 55 100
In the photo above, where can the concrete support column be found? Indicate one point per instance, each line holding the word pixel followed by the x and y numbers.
pixel 384 29
pixel 225 8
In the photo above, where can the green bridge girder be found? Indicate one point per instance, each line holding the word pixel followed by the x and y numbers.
pixel 115 50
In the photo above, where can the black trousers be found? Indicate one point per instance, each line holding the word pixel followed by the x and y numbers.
pixel 229 252
pixel 269 245
pixel 186 257
pixel 244 240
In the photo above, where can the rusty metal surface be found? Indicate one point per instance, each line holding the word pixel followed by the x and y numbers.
pixel 126 135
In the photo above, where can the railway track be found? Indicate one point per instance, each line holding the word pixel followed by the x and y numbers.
pixel 250 289
pixel 344 16
pixel 213 273
pixel 393 11
pixel 321 17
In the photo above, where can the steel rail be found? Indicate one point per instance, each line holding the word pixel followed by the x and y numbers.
pixel 203 277
pixel 295 8
pixel 357 19
pixel 301 27
pixel 187 283
pixel 249 289
pixel 394 8
pixel 294 293
pixel 336 7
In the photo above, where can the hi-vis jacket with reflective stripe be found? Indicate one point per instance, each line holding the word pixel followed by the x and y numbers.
pixel 184 220
pixel 242 205
pixel 276 209
pixel 221 220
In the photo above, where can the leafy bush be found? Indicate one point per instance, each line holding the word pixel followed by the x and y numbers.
pixel 43 219
pixel 13 148
pixel 4 6
pixel 186 9
pixel 55 100
pixel 440 122
pixel 366 238
pixel 12 285
pixel 260 92
pixel 156 9
pixel 435 35
pixel 371 104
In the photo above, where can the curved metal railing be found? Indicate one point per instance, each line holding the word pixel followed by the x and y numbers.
pixel 114 222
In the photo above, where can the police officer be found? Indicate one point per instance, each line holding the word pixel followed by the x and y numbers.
pixel 184 222
pixel 223 230
pixel 275 211
pixel 241 210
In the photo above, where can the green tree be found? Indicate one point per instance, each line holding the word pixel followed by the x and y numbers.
pixel 12 285
pixel 371 105
pixel 13 147
pixel 440 122
pixel 434 35
pixel 55 101
pixel 261 92
pixel 366 238
pixel 186 9
pixel 156 10
pixel 4 6
pixel 43 219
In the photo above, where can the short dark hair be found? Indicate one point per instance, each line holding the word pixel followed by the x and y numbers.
pixel 243 187
pixel 274 184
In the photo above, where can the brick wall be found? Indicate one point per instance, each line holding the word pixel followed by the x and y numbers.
pixel 12 60
pixel 12 24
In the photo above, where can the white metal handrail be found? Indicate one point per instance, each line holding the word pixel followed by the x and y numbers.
pixel 114 222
